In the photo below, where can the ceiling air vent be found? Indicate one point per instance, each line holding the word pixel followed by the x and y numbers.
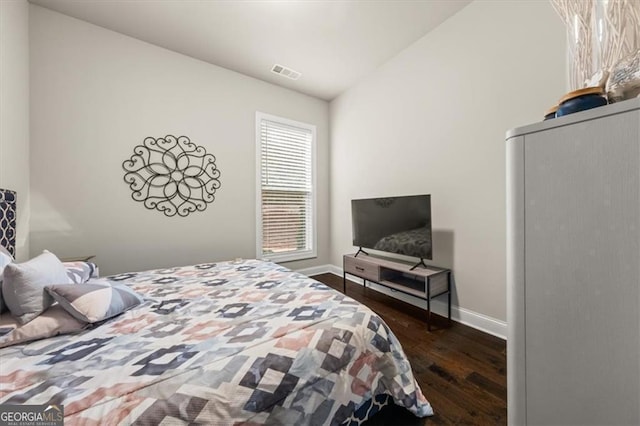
pixel 286 72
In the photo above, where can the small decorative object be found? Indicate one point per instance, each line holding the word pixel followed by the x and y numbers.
pixel 603 38
pixel 599 79
pixel 8 220
pixel 624 82
pixel 550 113
pixel 580 100
pixel 172 175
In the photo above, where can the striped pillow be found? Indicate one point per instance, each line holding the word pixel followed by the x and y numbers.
pixel 95 300
pixel 81 272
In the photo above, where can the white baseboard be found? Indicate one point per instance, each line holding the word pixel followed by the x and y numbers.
pixel 473 319
pixel 316 270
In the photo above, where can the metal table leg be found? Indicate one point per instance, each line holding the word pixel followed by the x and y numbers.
pixel 449 296
pixel 428 304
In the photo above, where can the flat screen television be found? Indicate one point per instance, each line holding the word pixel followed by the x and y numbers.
pixel 400 225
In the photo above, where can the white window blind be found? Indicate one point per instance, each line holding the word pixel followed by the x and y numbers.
pixel 286 203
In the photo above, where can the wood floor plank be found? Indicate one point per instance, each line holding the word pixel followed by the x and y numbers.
pixel 491 365
pixel 466 402
pixel 482 382
pixel 461 371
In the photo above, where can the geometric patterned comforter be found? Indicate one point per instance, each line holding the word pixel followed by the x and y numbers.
pixel 245 342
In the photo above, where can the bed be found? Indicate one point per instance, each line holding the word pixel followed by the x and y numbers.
pixel 241 342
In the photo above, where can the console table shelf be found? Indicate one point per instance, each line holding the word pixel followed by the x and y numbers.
pixel 423 283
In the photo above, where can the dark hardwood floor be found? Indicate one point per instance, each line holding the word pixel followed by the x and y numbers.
pixel 461 371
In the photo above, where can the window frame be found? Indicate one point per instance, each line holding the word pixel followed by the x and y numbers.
pixel 311 233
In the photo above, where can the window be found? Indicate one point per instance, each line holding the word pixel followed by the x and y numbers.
pixel 286 189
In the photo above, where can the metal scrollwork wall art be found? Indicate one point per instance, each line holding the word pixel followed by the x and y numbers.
pixel 172 175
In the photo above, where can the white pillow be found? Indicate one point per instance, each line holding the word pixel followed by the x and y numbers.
pixel 5 259
pixel 23 285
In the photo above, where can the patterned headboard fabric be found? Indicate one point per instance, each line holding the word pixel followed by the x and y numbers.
pixel 8 220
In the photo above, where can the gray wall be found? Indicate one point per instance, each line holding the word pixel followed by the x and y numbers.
pixel 97 94
pixel 432 120
pixel 14 112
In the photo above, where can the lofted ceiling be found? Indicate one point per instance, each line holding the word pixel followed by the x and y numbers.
pixel 332 44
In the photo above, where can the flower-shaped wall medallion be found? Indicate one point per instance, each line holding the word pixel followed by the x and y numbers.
pixel 172 175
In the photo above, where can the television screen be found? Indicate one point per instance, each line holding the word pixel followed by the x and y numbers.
pixel 399 225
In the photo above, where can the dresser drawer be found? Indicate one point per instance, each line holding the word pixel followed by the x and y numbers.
pixel 361 268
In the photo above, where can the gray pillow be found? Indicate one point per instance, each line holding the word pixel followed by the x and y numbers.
pixel 5 259
pixel 51 323
pixel 95 300
pixel 23 285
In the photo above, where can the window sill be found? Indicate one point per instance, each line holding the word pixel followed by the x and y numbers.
pixel 290 257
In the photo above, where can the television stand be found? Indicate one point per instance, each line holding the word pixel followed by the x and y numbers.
pixel 360 251
pixel 424 284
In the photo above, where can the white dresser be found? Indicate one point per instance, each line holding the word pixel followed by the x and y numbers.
pixel 573 269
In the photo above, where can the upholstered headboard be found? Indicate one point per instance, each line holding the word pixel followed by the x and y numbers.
pixel 8 220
